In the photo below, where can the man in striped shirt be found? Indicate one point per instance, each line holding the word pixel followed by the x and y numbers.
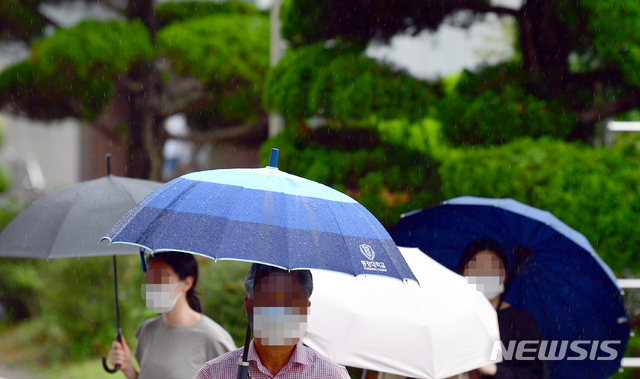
pixel 277 304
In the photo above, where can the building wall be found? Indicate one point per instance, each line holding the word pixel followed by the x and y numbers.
pixel 41 156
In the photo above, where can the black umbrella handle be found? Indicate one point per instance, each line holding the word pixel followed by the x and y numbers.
pixel 104 359
pixel 115 285
pixel 243 366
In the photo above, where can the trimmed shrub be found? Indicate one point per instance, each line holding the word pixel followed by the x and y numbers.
pixel 229 53
pixel 341 84
pixel 169 12
pixel 593 191
pixel 492 107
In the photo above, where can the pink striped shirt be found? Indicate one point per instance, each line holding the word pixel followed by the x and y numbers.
pixel 304 363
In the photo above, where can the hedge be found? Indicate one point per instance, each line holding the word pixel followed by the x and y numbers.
pixel 595 191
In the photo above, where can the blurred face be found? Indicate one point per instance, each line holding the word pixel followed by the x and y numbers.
pixel 485 263
pixel 486 272
pixel 278 311
pixel 162 287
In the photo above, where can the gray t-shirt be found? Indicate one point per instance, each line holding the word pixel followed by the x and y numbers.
pixel 167 352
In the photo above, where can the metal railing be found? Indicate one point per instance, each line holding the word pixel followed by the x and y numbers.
pixel 611 127
pixel 629 362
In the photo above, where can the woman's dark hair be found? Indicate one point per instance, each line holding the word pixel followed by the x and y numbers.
pixel 477 246
pixel 521 257
pixel 185 265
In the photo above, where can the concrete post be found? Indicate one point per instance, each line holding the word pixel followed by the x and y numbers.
pixel 276 51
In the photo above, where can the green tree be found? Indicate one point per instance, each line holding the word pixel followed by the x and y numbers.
pixel 571 70
pixel 572 60
pixel 341 84
pixel 126 76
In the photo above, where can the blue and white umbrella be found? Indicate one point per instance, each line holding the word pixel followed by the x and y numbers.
pixel 265 216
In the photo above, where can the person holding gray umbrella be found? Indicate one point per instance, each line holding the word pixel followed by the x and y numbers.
pixel 179 341
pixel 68 222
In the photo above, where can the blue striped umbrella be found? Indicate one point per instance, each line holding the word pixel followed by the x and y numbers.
pixel 264 216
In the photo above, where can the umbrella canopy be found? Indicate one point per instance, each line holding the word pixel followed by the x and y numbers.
pixel 70 221
pixel 265 216
pixel 563 283
pixel 437 329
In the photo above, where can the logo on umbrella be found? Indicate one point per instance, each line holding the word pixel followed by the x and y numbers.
pixel 367 251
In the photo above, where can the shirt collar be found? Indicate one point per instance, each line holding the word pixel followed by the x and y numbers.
pixel 300 355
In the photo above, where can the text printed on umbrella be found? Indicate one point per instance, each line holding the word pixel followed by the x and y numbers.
pixel 370 265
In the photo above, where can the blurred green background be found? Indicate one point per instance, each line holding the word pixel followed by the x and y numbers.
pixel 529 128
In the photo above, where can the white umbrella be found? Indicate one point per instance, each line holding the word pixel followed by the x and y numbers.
pixel 439 328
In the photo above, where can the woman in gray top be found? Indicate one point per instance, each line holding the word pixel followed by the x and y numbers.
pixel 177 343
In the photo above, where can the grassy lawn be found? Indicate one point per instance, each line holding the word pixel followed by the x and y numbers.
pixel 91 368
pixel 27 362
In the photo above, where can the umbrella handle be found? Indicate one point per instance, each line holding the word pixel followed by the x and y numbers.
pixel 243 370
pixel 106 368
pixel 104 359
pixel 243 366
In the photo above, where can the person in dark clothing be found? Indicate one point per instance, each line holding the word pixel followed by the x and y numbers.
pixel 483 265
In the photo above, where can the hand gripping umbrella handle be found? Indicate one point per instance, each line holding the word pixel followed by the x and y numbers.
pixel 104 360
pixel 106 368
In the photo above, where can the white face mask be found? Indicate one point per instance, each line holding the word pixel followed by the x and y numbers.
pixel 490 286
pixel 158 296
pixel 278 326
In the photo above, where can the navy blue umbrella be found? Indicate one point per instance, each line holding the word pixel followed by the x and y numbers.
pixel 562 282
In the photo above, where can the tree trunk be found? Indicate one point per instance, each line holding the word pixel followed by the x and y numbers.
pixel 543 41
pixel 147 135
pixel 145 11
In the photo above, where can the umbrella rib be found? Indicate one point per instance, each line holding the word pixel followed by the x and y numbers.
pixel 165 210
pixel 480 221
pixel 60 225
pixel 550 240
pixel 534 233
pixel 558 296
pixel 121 191
pixel 124 189
pixel 344 241
pixel 285 210
pixel 228 218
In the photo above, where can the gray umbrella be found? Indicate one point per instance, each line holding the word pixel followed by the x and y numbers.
pixel 70 221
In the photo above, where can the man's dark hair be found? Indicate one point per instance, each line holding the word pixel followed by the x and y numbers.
pixel 259 271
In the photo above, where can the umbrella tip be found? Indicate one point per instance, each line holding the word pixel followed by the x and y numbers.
pixel 108 164
pixel 273 160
